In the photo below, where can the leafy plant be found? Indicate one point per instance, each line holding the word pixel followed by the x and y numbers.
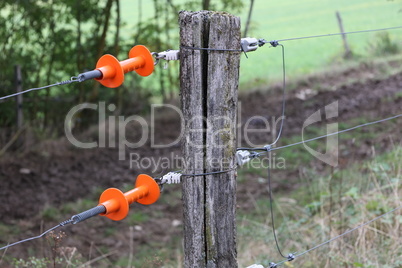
pixel 383 45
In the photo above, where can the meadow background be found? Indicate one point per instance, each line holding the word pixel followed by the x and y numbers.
pixel 292 18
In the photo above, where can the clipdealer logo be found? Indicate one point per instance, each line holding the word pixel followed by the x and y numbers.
pixel 331 154
pixel 114 135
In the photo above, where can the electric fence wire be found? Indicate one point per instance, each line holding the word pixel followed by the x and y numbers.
pixel 338 236
pixel 283 94
pixel 268 147
pixel 209 173
pixel 327 135
pixel 39 236
pixel 212 49
pixel 271 200
pixel 274 44
pixel 72 80
pixel 334 34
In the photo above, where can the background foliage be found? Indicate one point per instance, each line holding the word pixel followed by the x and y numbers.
pixel 56 39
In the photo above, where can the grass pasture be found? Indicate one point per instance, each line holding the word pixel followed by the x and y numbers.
pixel 292 18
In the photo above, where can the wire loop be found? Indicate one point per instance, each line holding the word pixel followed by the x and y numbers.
pixel 291 257
pixel 156 56
pixel 75 79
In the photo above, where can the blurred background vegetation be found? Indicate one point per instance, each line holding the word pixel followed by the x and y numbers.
pixel 54 40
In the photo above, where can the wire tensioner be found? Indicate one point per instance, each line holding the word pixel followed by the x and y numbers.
pixel 117 203
pixel 110 71
pixel 114 204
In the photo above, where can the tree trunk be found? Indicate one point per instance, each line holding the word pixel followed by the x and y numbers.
pixel 119 90
pixel 18 98
pixel 102 45
pixel 205 4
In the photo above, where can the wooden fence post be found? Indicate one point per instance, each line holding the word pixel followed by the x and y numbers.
pixel 209 83
pixel 250 11
pixel 348 52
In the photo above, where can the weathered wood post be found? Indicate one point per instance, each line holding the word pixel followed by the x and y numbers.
pixel 348 52
pixel 209 83
pixel 250 11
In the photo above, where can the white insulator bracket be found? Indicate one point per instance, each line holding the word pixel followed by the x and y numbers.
pixel 169 55
pixel 171 178
pixel 255 266
pixel 242 157
pixel 249 44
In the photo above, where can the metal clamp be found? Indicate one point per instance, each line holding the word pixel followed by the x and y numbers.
pixel 272 265
pixel 243 156
pixel 166 55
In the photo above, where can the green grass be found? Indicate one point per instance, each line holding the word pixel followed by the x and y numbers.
pixel 292 18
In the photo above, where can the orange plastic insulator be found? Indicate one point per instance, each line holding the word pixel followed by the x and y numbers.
pixel 146 192
pixel 113 70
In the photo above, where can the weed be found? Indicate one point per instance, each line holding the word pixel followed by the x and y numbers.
pixel 54 240
pixel 383 45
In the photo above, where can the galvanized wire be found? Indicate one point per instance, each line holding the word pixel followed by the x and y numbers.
pixel 72 80
pixel 328 135
pixel 335 34
pixel 39 236
pixel 283 102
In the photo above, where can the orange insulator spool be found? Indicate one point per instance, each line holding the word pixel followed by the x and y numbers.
pixel 146 192
pixel 113 70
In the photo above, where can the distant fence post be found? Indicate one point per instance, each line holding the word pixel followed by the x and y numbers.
pixel 18 98
pixel 250 11
pixel 209 83
pixel 348 52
